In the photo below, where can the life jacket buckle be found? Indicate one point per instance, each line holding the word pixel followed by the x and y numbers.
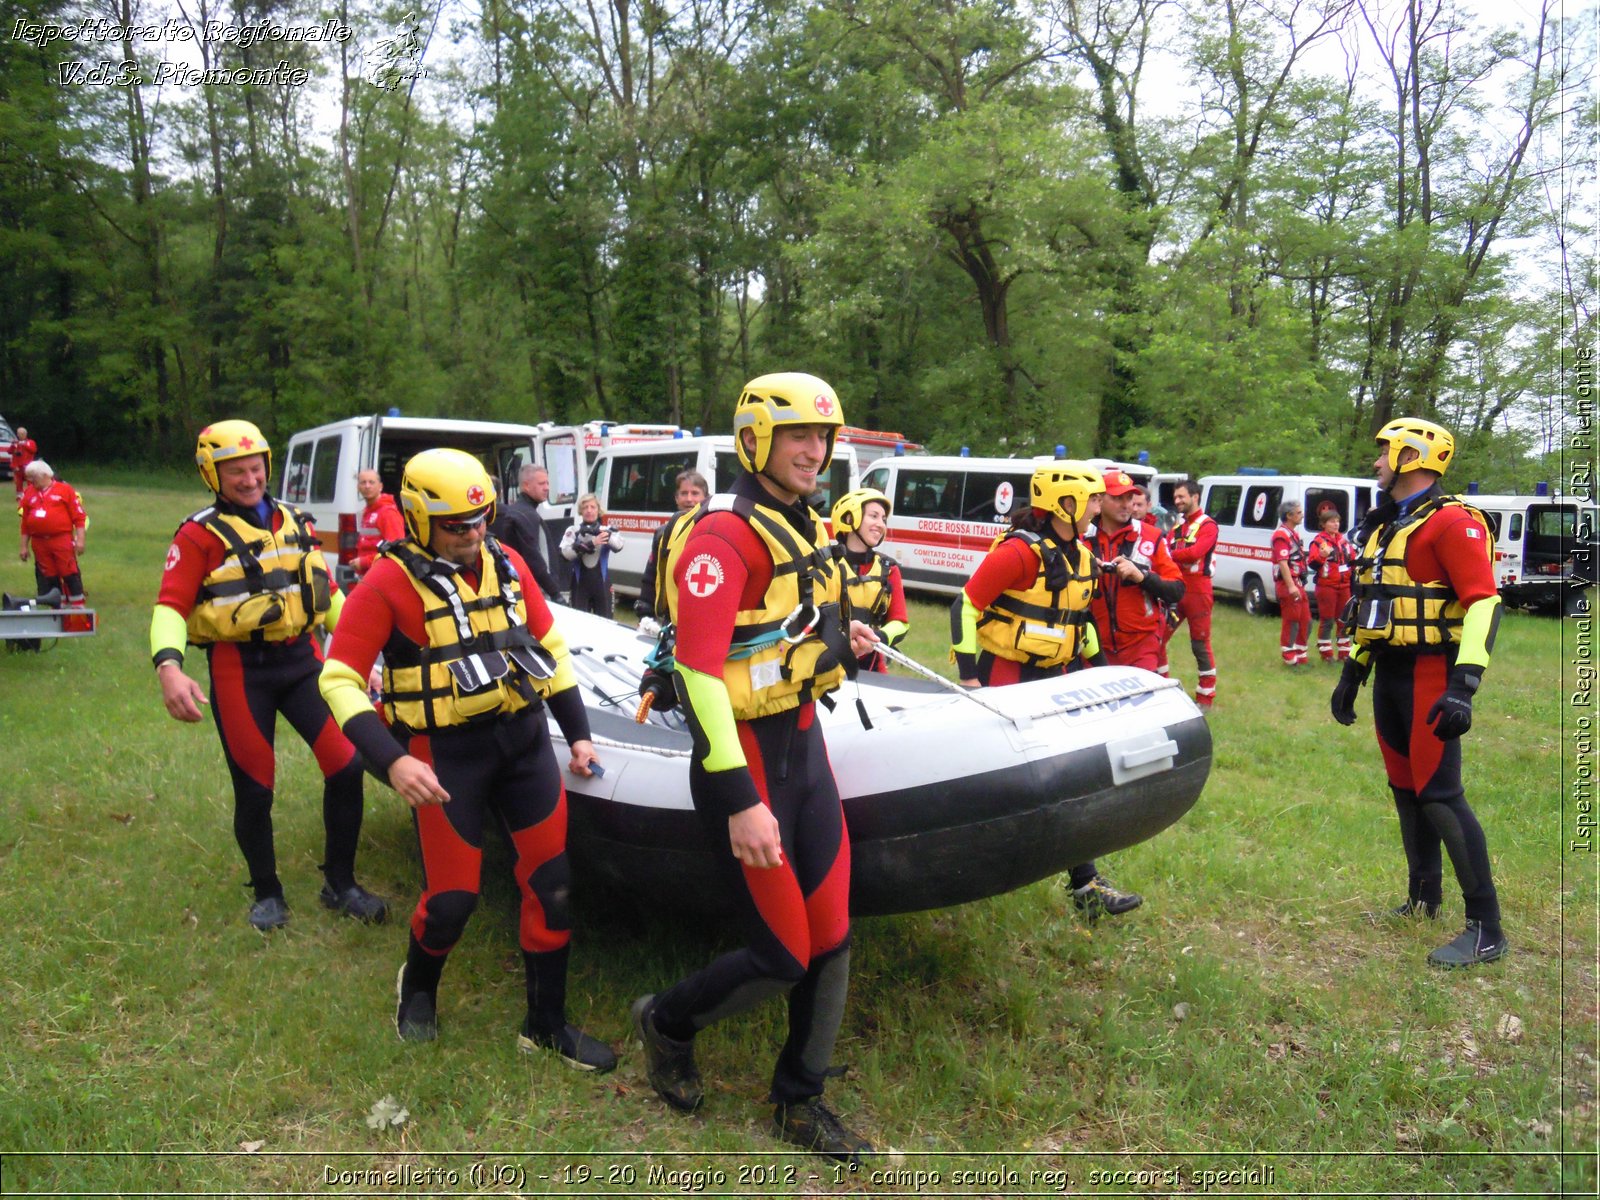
pixel 811 615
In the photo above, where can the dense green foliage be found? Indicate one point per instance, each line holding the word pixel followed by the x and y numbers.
pixel 1225 232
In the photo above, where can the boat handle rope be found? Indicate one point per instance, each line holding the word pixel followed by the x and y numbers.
pixel 1021 723
pixel 905 660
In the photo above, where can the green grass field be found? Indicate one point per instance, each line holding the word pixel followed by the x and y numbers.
pixel 1250 1018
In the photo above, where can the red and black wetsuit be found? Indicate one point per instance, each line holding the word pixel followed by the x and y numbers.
pixel 251 683
pixel 1193 548
pixel 1425 772
pixel 1011 566
pixel 501 770
pixel 797 915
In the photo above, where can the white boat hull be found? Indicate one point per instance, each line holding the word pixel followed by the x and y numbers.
pixel 947 800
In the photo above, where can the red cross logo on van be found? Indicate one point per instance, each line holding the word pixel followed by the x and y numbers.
pixel 703 577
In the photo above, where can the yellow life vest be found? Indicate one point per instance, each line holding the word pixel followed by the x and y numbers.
pixel 1042 625
pixel 870 593
pixel 1391 608
pixel 480 661
pixel 272 585
pixel 796 646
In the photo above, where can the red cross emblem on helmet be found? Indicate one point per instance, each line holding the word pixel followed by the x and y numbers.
pixel 825 406
pixel 474 494
pixel 245 443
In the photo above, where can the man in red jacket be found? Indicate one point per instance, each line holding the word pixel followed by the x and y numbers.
pixel 1193 547
pixel 1289 578
pixel 1137 577
pixel 23 451
pixel 53 524
pixel 380 520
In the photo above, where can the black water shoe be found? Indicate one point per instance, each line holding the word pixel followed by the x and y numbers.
pixel 811 1125
pixel 269 912
pixel 355 902
pixel 668 1063
pixel 576 1048
pixel 1473 945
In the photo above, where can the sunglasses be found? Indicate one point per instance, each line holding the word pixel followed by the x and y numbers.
pixel 457 528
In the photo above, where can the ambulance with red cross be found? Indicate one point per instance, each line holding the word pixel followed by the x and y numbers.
pixel 948 509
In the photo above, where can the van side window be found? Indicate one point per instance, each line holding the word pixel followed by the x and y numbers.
pixel 325 470
pixel 986 494
pixel 297 473
pixel 1222 503
pixel 1516 527
pixel 928 494
pixel 1319 498
pixel 1261 507
pixel 727 470
pixel 647 482
pixel 561 460
pixel 877 479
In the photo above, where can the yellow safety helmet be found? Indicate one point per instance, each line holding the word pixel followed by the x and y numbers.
pixel 1066 478
pixel 443 483
pixel 848 511
pixel 1434 444
pixel 224 440
pixel 787 398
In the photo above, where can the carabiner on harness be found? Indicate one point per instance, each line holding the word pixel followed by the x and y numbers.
pixel 811 614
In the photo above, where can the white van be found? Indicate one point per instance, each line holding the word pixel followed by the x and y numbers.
pixel 1245 508
pixel 317 469
pixel 637 487
pixel 1544 547
pixel 948 509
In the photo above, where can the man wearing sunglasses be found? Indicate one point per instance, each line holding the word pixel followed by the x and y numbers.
pixel 245 578
pixel 471 660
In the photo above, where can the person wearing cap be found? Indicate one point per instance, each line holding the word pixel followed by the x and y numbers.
pixel 379 522
pixel 763 630
pixel 1025 615
pixel 1289 575
pixel 23 451
pixel 1426 612
pixel 471 662
pixel 245 578
pixel 1137 577
pixel 53 531
pixel 877 596
pixel 1193 547
pixel 691 489
pixel 1329 557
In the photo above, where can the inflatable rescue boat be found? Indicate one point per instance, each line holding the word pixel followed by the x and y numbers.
pixel 950 796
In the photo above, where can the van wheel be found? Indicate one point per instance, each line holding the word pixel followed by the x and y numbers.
pixel 1256 602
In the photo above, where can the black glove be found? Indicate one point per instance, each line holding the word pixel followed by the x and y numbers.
pixel 1343 702
pixel 1451 714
